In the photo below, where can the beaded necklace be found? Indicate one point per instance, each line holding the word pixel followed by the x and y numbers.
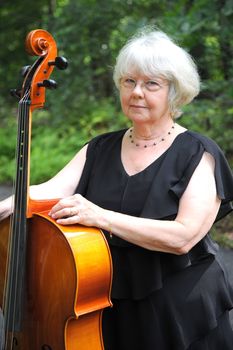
pixel 154 143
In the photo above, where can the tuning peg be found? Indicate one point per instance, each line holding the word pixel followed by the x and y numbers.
pixel 15 93
pixel 60 62
pixel 24 71
pixel 49 84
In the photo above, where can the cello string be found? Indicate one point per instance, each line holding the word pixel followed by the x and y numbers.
pixel 10 256
pixel 14 237
pixel 15 183
pixel 15 179
pixel 21 209
pixel 16 215
pixel 19 218
pixel 9 244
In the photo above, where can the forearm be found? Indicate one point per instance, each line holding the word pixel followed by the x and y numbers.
pixel 6 207
pixel 44 191
pixel 160 235
pixel 197 211
pixel 166 236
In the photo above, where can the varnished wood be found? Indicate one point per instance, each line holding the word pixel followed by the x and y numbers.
pixel 68 284
pixel 68 268
pixel 40 43
pixel 4 241
pixel 80 280
pixel 81 333
pixel 39 206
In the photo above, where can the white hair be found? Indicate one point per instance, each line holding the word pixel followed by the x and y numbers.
pixel 154 54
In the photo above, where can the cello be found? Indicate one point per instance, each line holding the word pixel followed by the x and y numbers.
pixel 55 280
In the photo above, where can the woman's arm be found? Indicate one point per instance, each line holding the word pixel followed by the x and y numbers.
pixel 198 208
pixel 6 207
pixel 61 185
pixel 64 183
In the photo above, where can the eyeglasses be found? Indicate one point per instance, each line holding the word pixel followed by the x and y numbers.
pixel 150 85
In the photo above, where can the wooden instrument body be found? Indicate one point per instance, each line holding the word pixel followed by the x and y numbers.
pixel 68 279
pixel 54 301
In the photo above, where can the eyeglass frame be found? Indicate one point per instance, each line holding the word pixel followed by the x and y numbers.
pixel 130 84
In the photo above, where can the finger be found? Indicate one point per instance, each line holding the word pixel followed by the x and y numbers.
pixel 64 213
pixel 69 221
pixel 66 202
pixel 73 211
pixel 62 204
pixel 57 207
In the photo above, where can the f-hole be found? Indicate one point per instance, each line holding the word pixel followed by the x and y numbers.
pixel 46 347
pixel 14 343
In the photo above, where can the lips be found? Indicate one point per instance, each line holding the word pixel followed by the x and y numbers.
pixel 137 106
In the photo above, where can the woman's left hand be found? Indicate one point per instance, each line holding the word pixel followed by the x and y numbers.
pixel 77 209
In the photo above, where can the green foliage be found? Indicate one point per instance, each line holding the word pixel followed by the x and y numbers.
pixel 7 154
pixel 223 239
pixel 53 146
pixel 222 232
pixel 90 33
pixel 213 120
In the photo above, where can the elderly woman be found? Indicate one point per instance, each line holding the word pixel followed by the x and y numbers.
pixel 155 189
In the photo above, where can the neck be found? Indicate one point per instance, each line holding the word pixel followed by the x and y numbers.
pixel 151 140
pixel 148 132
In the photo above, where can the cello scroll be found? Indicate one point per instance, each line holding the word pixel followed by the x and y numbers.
pixel 41 43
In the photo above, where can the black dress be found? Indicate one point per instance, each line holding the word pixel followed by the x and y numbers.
pixel 161 301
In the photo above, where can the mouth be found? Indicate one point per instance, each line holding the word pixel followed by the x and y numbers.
pixel 137 106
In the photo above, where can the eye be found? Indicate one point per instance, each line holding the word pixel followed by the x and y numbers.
pixel 152 85
pixel 128 82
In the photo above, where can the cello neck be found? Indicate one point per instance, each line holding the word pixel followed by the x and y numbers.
pixel 23 158
pixel 38 43
pixel 16 267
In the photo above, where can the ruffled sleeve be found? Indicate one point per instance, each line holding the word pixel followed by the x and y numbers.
pixel 223 173
pixel 175 171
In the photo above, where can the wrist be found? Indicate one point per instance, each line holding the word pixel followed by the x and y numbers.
pixel 107 221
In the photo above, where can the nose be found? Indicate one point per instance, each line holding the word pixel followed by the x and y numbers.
pixel 138 89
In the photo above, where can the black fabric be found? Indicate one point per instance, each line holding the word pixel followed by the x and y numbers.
pixel 185 296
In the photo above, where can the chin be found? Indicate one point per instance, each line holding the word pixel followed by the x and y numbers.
pixel 138 118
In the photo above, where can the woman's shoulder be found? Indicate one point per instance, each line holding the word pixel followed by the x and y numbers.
pixel 192 140
pixel 104 140
pixel 107 136
pixel 203 139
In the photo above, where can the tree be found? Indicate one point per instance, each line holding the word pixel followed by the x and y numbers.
pixel 89 34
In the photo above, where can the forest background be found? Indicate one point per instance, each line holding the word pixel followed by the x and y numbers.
pixel 89 33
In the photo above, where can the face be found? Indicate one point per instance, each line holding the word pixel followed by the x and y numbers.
pixel 144 99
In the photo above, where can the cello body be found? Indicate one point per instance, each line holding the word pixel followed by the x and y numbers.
pixel 67 276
